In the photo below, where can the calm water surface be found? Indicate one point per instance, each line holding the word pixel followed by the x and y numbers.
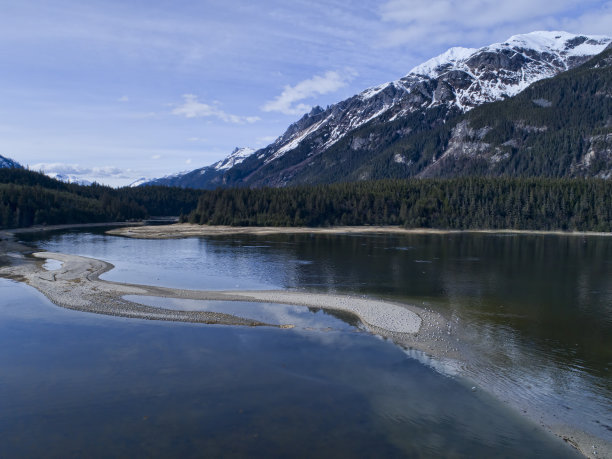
pixel 535 313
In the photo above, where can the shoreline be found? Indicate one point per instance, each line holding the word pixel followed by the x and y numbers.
pixel 43 228
pixel 185 230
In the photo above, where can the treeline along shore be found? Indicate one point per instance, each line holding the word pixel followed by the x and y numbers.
pixel 29 198
pixel 461 203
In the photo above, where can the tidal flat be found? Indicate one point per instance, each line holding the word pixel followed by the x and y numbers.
pixel 492 347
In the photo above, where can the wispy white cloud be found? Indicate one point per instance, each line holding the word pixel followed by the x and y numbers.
pixel 193 108
pixel 78 170
pixel 123 99
pixel 156 157
pixel 289 101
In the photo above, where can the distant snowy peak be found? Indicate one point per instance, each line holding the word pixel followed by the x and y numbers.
pixel 204 177
pixel 563 44
pixel 467 77
pixel 9 163
pixel 68 178
pixel 235 157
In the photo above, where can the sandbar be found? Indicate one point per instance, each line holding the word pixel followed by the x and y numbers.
pixel 184 230
pixel 75 284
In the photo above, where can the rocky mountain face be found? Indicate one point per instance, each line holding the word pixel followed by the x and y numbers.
pixel 359 138
pixel 9 163
pixel 561 127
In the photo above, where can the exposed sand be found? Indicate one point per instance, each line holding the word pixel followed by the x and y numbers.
pixel 182 230
pixel 76 285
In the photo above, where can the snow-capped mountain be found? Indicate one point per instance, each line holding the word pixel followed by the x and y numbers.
pixel 9 163
pixel 328 144
pixel 207 175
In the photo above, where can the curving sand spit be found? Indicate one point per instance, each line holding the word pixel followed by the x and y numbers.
pixel 76 285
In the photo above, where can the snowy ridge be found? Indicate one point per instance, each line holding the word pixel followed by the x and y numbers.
pixel 446 60
pixel 560 43
pixel 295 141
pixel 235 157
pixel 186 178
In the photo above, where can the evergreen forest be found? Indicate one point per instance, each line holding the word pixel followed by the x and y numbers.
pixel 459 203
pixel 30 198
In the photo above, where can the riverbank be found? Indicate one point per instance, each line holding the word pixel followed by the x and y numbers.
pixel 183 230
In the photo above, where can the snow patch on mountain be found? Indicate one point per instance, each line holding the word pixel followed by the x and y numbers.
pixel 138 182
pixel 235 157
pixel 295 141
pixel 445 60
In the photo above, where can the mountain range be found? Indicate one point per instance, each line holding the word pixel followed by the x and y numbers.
pixel 465 112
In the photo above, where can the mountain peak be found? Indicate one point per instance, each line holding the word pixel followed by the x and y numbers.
pixel 560 41
pixel 564 44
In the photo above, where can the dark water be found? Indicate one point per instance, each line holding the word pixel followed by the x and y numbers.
pixel 535 313
pixel 80 385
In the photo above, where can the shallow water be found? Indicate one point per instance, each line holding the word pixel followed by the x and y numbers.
pixel 79 384
pixel 269 313
pixel 534 312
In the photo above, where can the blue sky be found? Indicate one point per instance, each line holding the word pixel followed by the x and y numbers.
pixel 116 90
